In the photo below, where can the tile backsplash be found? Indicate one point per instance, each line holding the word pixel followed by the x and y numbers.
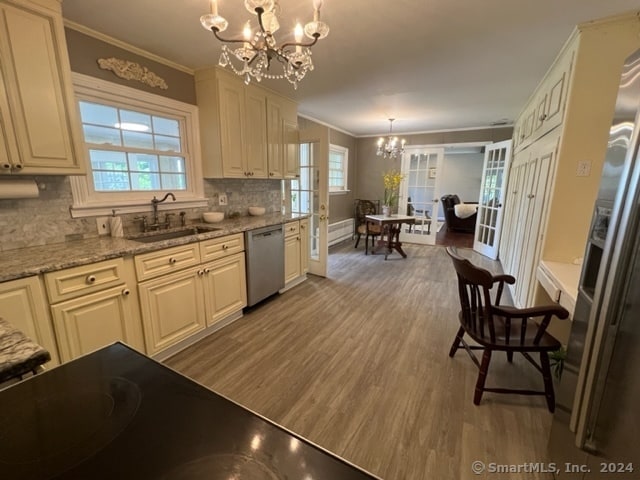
pixel 46 219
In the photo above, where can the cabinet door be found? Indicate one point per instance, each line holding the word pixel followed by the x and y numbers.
pixel 291 258
pixel 172 308
pixel 291 150
pixel 23 304
pixel 275 138
pixel 232 117
pixel 304 245
pixel 36 74
pixel 541 171
pixel 510 246
pixel 90 322
pixel 225 287
pixel 256 133
pixel 8 150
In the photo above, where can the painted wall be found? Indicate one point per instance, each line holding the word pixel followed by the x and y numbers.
pixel 461 174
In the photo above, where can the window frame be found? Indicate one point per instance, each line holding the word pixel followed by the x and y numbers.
pixel 87 201
pixel 344 151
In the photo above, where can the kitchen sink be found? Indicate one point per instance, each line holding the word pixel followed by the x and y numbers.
pixel 168 235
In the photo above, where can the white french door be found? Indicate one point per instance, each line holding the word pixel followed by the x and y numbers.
pixel 419 193
pixel 492 191
pixel 313 191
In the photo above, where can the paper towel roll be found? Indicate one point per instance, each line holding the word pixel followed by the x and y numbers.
pixel 115 225
pixel 18 188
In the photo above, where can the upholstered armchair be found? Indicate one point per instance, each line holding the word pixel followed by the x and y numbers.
pixel 453 221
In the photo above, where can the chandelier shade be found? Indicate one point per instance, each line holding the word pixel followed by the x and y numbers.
pixel 257 48
pixel 391 147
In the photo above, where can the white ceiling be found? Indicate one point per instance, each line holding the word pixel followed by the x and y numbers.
pixel 431 64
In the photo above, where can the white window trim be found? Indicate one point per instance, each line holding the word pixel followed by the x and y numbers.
pixel 88 204
pixel 345 168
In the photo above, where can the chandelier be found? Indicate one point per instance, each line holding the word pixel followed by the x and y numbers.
pixel 257 49
pixel 393 148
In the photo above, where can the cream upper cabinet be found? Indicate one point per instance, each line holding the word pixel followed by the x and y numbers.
pixel 291 149
pixel 94 305
pixel 39 122
pixel 23 303
pixel 256 132
pixel 241 127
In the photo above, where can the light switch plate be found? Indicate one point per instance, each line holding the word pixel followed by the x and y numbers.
pixel 103 225
pixel 222 199
pixel 584 168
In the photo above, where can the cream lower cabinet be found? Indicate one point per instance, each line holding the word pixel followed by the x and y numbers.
pixel 93 306
pixel 185 289
pixel 296 252
pixel 23 303
pixel 291 252
pixel 172 308
pixel 225 287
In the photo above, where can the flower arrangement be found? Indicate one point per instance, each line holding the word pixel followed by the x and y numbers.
pixel 392 180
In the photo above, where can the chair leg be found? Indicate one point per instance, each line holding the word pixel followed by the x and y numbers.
pixel 456 342
pixel 510 357
pixel 482 376
pixel 357 240
pixel 548 381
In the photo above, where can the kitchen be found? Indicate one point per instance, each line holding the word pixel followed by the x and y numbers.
pixel 51 216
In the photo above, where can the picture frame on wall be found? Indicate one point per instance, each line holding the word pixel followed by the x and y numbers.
pixel 432 172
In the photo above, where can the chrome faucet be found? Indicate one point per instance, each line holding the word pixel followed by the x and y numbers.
pixel 154 203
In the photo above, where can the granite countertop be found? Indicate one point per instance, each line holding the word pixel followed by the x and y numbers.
pixel 26 262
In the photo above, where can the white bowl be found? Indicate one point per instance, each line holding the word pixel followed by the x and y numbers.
pixel 255 211
pixel 212 217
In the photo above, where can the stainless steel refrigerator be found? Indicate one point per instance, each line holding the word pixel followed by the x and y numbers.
pixel 596 427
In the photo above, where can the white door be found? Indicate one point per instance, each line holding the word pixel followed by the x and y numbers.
pixel 312 189
pixel 492 192
pixel 419 193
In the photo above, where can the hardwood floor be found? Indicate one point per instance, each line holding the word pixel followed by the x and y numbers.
pixel 358 364
pixel 454 239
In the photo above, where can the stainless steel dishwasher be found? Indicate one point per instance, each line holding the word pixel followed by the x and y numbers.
pixel 265 262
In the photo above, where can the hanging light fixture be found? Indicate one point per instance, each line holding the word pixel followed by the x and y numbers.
pixel 258 49
pixel 391 147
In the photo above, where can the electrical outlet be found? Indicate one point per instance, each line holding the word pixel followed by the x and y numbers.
pixel 584 168
pixel 103 225
pixel 222 199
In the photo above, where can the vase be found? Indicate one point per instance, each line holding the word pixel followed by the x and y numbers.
pixel 386 210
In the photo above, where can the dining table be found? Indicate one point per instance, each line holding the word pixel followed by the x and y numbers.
pixel 390 226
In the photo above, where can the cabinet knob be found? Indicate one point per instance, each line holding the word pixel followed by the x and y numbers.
pixel 172 260
pixel 6 166
pixel 225 246
pixel 207 270
pixel 91 279
pixel 200 272
pixel 543 117
pixel 531 195
pixel 18 166
pixel 303 226
pixel 271 174
pixel 126 292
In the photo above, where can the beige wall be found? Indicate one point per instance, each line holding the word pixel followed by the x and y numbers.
pixel 369 166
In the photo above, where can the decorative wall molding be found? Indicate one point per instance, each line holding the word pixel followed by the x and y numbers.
pixel 132 71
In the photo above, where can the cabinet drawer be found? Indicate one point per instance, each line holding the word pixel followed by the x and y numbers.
pixel 291 229
pixel 168 260
pixel 221 247
pixel 73 282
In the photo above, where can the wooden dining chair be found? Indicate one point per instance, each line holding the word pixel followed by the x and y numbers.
pixel 362 227
pixel 495 327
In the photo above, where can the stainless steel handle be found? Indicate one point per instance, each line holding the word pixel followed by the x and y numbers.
pixel 126 292
pixel 91 279
pixel 172 260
